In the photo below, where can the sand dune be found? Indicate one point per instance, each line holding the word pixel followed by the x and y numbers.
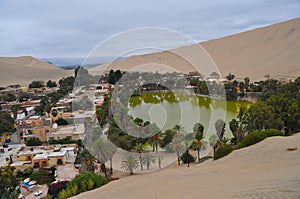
pixel 22 70
pixel 270 50
pixel 264 170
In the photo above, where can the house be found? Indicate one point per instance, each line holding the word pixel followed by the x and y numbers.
pixel 73 132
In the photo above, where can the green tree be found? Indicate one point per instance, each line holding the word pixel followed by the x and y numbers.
pixel 247 83
pixel 8 183
pixel 87 160
pixel 213 141
pixel 6 123
pixel 15 108
pixel 130 163
pixel 230 76
pixel 198 142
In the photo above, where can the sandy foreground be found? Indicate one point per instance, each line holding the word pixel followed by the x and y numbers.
pixel 264 170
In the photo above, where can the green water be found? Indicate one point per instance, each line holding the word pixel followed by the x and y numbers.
pixel 167 109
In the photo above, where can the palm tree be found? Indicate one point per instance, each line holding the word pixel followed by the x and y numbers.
pixel 104 150
pixel 130 163
pixel 177 145
pixel 148 159
pixel 198 142
pixel 88 161
pixel 213 141
pixel 139 148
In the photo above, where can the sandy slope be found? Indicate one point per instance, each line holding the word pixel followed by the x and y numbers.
pixel 22 70
pixel 264 170
pixel 270 50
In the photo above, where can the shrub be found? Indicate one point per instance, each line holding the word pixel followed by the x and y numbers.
pixel 55 188
pixel 81 183
pixel 222 151
pixel 61 121
pixel 34 142
pixel 257 136
pixel 42 177
pixel 187 158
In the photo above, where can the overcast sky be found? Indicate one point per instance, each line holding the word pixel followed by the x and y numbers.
pixel 69 28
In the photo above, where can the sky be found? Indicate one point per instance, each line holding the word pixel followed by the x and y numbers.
pixel 72 28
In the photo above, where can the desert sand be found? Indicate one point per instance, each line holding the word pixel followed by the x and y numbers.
pixel 22 70
pixel 270 50
pixel 263 170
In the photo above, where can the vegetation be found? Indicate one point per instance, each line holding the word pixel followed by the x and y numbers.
pixel 34 142
pixel 36 84
pixel 51 84
pixel 81 183
pixel 57 187
pixel 61 121
pixel 187 158
pixel 8 183
pixel 66 141
pixel 257 136
pixel 222 151
pixel 130 163
pixel 6 123
pixel 42 177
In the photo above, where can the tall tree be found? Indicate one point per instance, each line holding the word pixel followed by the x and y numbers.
pixel 139 148
pixel 130 163
pixel 149 158
pixel 220 128
pixel 15 108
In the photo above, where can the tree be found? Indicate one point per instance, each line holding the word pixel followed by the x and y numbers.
pixel 236 130
pixel 15 108
pixel 213 141
pixel 130 163
pixel 51 84
pixel 220 128
pixel 261 116
pixel 87 160
pixel 104 150
pixel 230 76
pixel 139 148
pixel 111 78
pixel 8 183
pixel 198 142
pixel 148 159
pixel 247 83
pixel 6 123
pixel 214 75
pixel 36 84
pixel 177 145
pixel 48 108
pixel 54 112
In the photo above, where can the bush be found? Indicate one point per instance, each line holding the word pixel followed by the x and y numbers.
pixel 60 121
pixel 257 136
pixel 42 177
pixel 187 158
pixel 34 142
pixel 55 188
pixel 222 151
pixel 81 183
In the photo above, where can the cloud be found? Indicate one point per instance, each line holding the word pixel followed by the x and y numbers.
pixel 54 28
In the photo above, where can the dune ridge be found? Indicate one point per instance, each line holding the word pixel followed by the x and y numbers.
pixel 22 70
pixel 270 50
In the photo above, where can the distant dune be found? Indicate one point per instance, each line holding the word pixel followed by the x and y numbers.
pixel 270 50
pixel 22 70
pixel 264 170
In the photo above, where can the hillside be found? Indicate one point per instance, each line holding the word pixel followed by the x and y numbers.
pixel 270 50
pixel 22 70
pixel 263 170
